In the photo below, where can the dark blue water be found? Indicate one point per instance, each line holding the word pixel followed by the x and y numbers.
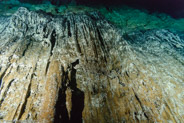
pixel 174 8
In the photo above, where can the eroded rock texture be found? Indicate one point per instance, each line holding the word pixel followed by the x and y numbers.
pixel 79 68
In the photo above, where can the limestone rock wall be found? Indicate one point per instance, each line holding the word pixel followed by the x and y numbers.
pixel 80 68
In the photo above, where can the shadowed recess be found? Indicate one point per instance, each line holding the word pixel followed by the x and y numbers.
pixel 61 113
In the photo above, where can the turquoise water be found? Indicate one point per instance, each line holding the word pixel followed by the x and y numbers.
pixel 124 17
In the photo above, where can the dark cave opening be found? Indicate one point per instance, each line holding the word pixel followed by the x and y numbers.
pixel 77 101
pixel 61 113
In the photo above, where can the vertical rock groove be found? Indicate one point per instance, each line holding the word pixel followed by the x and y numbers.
pixel 69 31
pixel 5 92
pixel 52 41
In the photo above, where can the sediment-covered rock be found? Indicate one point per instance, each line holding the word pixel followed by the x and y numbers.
pixel 77 67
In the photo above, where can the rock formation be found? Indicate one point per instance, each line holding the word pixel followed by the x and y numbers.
pixel 78 67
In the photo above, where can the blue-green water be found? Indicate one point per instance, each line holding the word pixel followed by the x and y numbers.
pixel 123 16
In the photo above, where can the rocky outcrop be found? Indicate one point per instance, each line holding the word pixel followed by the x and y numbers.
pixel 79 68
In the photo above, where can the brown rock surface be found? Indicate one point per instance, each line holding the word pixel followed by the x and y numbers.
pixel 79 68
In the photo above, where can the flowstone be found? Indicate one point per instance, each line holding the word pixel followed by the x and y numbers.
pixel 78 67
